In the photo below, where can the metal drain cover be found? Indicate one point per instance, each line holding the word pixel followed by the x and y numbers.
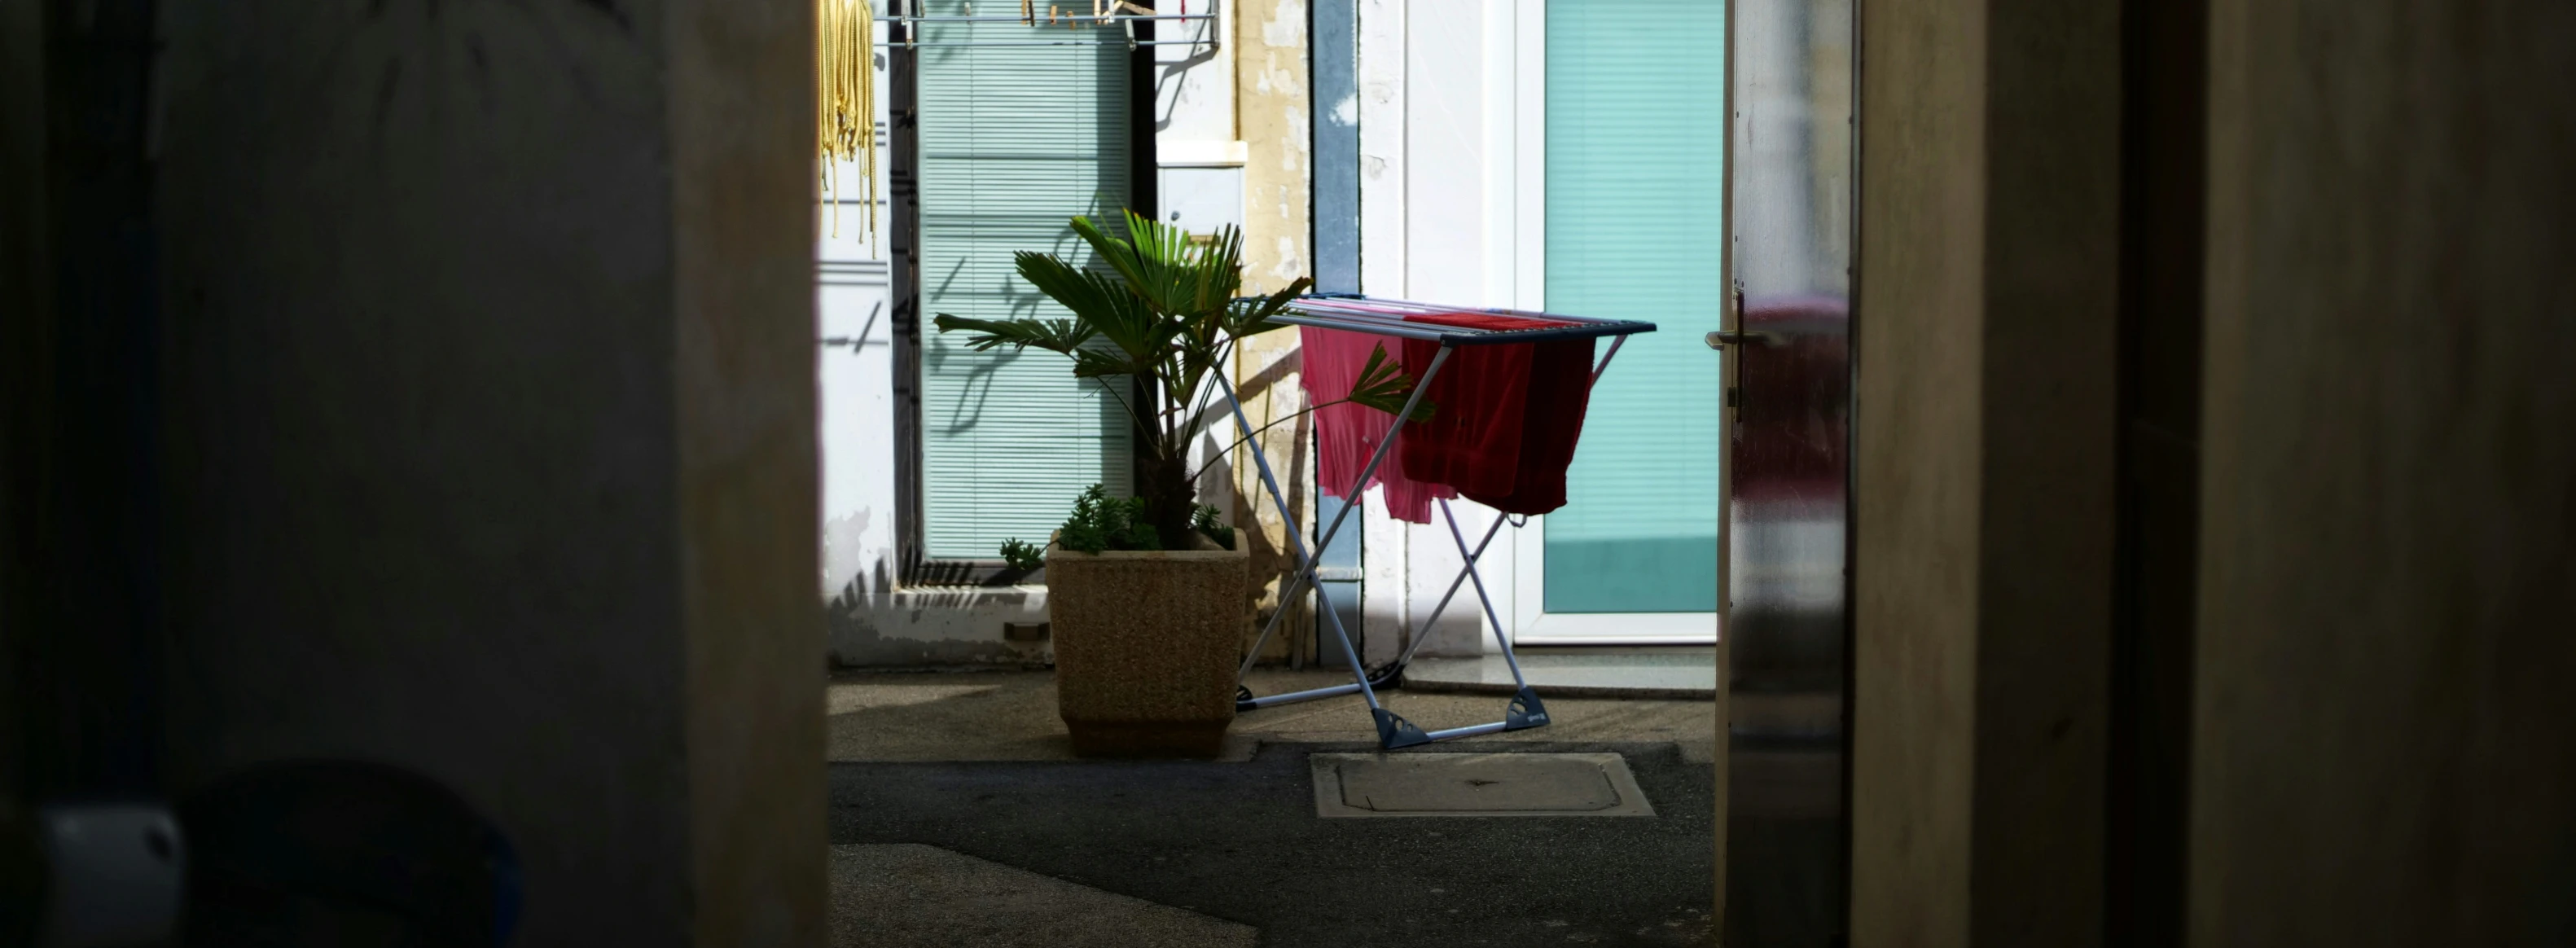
pixel 1435 784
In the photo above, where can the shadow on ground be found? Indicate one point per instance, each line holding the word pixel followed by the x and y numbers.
pixel 1240 842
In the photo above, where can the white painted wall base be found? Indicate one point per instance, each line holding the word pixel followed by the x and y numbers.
pixel 924 627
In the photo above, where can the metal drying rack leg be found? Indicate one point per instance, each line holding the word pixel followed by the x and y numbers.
pixel 1393 731
pixel 1455 584
pixel 1525 710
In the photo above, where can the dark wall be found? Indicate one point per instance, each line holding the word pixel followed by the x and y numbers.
pixel 2164 68
pixel 430 385
pixel 80 556
pixel 2385 742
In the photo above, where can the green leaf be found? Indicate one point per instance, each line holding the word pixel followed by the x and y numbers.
pixel 1100 523
pixel 1084 531
pixel 1204 520
pixel 1021 555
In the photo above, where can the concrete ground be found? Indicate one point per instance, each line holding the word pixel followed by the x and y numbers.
pixel 1667 672
pixel 960 816
pixel 1011 716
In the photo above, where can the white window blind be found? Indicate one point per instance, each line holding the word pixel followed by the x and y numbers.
pixel 1015 141
pixel 1636 178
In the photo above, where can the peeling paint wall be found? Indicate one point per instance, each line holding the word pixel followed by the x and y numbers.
pixel 1272 116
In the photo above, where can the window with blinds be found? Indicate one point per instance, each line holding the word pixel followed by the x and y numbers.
pixel 1015 141
pixel 1636 179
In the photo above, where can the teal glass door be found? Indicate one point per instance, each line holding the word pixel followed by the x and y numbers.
pixel 1635 182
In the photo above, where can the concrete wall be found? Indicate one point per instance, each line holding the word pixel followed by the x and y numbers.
pixel 2381 751
pixel 24 288
pixel 1273 118
pixel 492 436
pixel 2385 751
pixel 1987 275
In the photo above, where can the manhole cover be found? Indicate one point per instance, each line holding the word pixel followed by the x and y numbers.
pixel 1354 785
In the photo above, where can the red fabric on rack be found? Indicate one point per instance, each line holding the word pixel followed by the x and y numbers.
pixel 1347 434
pixel 1560 391
pixel 1506 416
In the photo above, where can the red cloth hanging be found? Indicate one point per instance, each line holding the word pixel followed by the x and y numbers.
pixel 1347 434
pixel 1560 391
pixel 1506 416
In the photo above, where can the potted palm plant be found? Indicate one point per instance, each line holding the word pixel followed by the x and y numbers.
pixel 1148 595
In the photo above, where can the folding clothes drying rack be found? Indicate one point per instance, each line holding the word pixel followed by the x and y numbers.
pixel 1386 318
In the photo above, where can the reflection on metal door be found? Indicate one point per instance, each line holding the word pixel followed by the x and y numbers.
pixel 1787 621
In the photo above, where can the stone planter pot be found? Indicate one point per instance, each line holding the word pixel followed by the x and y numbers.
pixel 1146 647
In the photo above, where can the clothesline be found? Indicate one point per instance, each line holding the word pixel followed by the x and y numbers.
pixel 1508 411
pixel 1502 429
pixel 1392 318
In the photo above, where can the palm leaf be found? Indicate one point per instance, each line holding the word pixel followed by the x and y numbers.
pixel 1252 317
pixel 1175 273
pixel 1218 274
pixel 1100 301
pixel 1054 335
pixel 1382 385
pixel 1093 363
pixel 1132 265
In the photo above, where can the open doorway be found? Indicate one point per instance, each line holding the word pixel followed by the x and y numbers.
pixel 1459 152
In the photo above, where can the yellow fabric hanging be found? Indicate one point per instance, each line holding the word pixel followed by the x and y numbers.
pixel 845 99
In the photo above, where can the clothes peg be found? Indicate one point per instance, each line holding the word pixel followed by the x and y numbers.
pixel 1028 13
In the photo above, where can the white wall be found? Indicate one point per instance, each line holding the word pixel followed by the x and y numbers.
pixel 870 621
pixel 855 369
pixel 1386 597
pixel 1441 208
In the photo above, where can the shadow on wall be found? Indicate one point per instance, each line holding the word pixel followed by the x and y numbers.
pixel 1273 561
pixel 931 626
pixel 872 621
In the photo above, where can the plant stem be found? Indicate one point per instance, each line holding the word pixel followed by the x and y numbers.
pixel 1256 432
pixel 1122 402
